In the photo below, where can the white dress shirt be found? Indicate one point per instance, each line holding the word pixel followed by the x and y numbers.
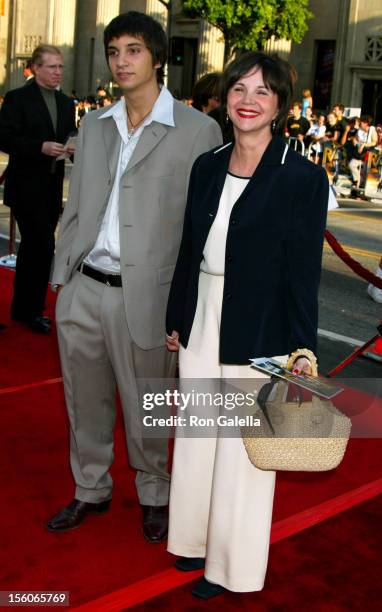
pixel 105 255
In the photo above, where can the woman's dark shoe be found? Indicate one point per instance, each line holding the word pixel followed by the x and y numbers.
pixel 206 590
pixel 189 564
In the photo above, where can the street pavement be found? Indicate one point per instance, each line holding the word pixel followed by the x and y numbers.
pixel 347 316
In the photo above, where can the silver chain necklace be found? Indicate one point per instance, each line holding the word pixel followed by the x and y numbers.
pixel 130 133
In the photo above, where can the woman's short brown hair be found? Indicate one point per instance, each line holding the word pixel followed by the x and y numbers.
pixel 278 75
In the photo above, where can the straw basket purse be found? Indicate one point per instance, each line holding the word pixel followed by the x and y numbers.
pixel 309 436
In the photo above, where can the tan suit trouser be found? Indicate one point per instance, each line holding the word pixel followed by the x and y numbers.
pixel 97 355
pixel 220 504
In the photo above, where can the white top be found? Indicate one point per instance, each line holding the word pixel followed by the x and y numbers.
pixel 366 137
pixel 318 131
pixel 105 254
pixel 214 249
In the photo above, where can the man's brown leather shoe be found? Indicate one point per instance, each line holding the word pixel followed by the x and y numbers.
pixel 155 523
pixel 73 515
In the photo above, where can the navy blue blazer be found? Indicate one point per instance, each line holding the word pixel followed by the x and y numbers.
pixel 272 259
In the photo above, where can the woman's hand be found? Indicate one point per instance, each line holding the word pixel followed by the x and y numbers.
pixel 302 366
pixel 172 342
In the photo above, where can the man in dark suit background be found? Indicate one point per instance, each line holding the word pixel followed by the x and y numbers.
pixel 35 122
pixel 28 73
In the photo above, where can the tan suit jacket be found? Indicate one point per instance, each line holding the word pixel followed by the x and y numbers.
pixel 153 192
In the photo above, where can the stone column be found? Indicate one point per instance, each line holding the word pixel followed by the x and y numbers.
pixel 27 29
pixel 340 58
pixel 280 46
pixel 210 50
pixel 63 24
pixel 157 11
pixel 106 11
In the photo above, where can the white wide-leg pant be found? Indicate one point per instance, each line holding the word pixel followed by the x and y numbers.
pixel 220 504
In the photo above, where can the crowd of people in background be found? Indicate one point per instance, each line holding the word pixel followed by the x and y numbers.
pixel 331 138
pixel 350 145
pixel 326 137
pixel 85 105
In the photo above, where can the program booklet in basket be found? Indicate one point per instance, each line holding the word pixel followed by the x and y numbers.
pixel 318 386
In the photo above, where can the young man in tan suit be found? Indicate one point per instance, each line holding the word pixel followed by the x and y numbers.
pixel 116 254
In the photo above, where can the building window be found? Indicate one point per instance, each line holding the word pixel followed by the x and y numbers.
pixel 373 49
pixel 31 42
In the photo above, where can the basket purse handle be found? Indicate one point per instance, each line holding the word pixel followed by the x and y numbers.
pixel 264 393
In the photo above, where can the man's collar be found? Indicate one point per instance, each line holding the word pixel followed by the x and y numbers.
pixel 114 109
pixel 162 111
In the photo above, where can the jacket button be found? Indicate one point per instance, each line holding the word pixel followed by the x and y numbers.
pixel 229 258
pixel 228 296
pixel 233 221
pixel 211 214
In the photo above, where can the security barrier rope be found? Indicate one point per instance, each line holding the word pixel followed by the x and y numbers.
pixel 352 263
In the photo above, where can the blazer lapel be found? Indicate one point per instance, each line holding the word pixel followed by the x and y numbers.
pixel 112 141
pixel 213 182
pixel 150 138
pixel 225 156
pixel 221 159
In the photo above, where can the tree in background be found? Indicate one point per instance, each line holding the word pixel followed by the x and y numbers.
pixel 247 24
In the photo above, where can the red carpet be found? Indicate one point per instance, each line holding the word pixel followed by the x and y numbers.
pixel 108 553
pixel 333 567
pixel 24 356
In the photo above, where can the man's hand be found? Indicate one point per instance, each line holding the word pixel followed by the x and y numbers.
pixel 54 149
pixel 172 342
pixel 70 148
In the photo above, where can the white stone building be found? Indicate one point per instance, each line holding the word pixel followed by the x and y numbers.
pixel 339 59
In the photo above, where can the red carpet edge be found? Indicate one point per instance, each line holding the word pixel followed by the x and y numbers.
pixel 170 579
pixel 40 383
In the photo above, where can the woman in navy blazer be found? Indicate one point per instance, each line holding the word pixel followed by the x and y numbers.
pixel 245 285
